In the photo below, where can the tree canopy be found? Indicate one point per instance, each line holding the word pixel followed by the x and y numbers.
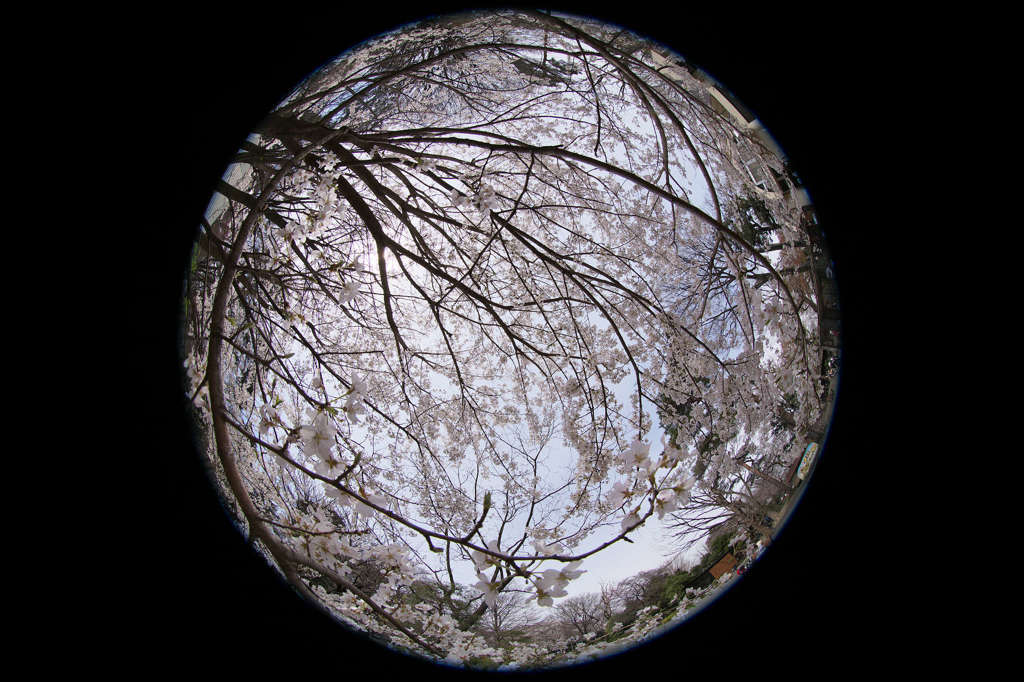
pixel 480 298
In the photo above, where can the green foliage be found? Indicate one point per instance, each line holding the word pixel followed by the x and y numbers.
pixel 710 443
pixel 654 589
pixel 623 631
pixel 704 580
pixel 482 663
pixel 513 637
pixel 719 547
pixel 194 262
pixel 420 591
pixel 675 587
pixel 791 401
pixel 753 220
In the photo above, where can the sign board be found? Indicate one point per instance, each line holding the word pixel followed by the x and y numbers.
pixel 724 566
pixel 808 459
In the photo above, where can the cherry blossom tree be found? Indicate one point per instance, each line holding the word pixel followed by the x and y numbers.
pixel 478 299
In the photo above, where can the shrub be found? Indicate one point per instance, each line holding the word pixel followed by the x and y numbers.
pixel 718 547
pixel 675 586
pixel 482 663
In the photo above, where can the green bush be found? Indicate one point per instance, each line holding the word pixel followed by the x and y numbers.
pixel 719 547
pixel 654 589
pixel 675 586
pixel 482 663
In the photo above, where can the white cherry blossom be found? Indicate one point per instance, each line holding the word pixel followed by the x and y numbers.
pixel 526 264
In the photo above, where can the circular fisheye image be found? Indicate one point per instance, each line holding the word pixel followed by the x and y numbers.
pixel 512 339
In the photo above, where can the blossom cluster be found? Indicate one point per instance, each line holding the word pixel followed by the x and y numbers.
pixel 584 245
pixel 484 200
pixel 551 582
pixel 669 495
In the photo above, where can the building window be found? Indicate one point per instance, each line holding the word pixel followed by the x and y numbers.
pixel 779 180
pixel 756 173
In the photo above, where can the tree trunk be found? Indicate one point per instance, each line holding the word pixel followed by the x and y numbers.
pixel 777 482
